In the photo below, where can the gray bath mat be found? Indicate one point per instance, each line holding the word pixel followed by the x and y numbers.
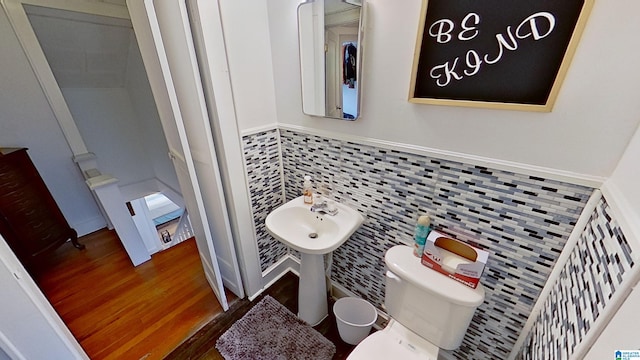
pixel 270 331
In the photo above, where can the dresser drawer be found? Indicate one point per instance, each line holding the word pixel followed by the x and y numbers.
pixel 30 219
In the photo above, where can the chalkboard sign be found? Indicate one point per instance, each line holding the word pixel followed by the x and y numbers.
pixel 510 54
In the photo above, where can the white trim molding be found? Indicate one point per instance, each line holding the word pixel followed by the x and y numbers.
pixel 82 6
pixel 258 129
pixel 25 287
pixel 625 214
pixel 9 349
pixel 276 271
pixel 557 269
pixel 531 170
pixel 209 38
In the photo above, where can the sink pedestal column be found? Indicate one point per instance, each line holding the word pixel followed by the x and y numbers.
pixel 312 290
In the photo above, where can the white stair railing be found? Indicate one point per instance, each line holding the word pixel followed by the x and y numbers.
pixel 184 230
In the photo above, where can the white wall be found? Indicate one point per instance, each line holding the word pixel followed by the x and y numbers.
pixel 151 133
pixel 596 112
pixel 117 119
pixel 84 51
pixel 246 32
pixel 623 194
pixel 622 187
pixel 107 121
pixel 595 116
pixel 26 120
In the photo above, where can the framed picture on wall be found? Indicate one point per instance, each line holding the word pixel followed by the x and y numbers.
pixel 494 53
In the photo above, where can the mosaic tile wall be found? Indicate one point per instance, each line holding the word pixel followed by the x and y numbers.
pixel 599 266
pixel 523 221
pixel 262 158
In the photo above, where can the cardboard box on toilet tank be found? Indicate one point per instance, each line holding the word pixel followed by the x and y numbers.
pixel 453 258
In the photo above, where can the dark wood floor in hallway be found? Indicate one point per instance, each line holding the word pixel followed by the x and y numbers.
pixel 117 311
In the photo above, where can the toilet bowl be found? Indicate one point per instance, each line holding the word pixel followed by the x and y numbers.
pixel 394 342
pixel 428 311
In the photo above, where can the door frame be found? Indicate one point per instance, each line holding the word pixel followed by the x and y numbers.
pixel 28 297
pixel 208 34
pixel 37 59
pixel 246 249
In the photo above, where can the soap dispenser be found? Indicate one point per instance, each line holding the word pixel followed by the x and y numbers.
pixel 307 190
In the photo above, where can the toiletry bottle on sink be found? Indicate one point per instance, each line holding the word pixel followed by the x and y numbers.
pixel 307 190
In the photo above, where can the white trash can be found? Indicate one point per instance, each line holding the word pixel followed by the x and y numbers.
pixel 354 317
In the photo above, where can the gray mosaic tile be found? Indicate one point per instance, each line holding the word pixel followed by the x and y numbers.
pixel 596 269
pixel 262 159
pixel 523 221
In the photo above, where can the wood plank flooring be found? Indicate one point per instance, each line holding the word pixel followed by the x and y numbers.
pixel 163 308
pixel 117 311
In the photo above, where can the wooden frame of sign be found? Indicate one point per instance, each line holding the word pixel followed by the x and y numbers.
pixel 491 55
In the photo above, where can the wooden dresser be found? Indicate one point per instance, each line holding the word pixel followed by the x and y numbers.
pixel 30 220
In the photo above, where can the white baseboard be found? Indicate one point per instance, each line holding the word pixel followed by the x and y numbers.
pixel 88 226
pixel 290 263
pixel 276 271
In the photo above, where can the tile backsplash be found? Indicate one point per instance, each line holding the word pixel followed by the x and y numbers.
pixel 262 159
pixel 599 266
pixel 523 221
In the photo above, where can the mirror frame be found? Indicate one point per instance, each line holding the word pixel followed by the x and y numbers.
pixel 313 49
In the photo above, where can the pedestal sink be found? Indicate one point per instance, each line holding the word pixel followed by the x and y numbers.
pixel 313 234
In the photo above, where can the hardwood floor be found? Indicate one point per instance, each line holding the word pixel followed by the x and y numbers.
pixel 201 346
pixel 163 308
pixel 117 311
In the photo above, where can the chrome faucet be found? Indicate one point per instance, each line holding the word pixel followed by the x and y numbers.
pixel 325 206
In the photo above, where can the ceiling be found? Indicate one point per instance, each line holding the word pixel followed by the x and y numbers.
pixel 83 50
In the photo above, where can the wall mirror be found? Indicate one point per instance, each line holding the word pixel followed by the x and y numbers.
pixel 330 41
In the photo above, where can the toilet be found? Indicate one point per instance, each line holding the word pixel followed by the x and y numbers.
pixel 428 311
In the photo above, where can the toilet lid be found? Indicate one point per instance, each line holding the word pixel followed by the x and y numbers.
pixel 388 345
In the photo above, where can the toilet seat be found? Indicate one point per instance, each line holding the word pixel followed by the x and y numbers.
pixel 394 342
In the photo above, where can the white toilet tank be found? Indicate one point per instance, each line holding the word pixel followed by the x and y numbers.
pixel 428 303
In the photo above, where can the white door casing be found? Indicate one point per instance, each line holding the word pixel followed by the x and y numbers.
pixel 44 311
pixel 163 30
pixel 173 38
pixel 200 136
pixel 209 37
pixel 334 85
pixel 28 318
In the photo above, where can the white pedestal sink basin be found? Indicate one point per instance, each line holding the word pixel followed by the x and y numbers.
pixel 313 234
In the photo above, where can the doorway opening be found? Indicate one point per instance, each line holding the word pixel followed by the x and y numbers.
pixel 165 215
pixel 161 222
pixel 99 71
pixel 349 80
